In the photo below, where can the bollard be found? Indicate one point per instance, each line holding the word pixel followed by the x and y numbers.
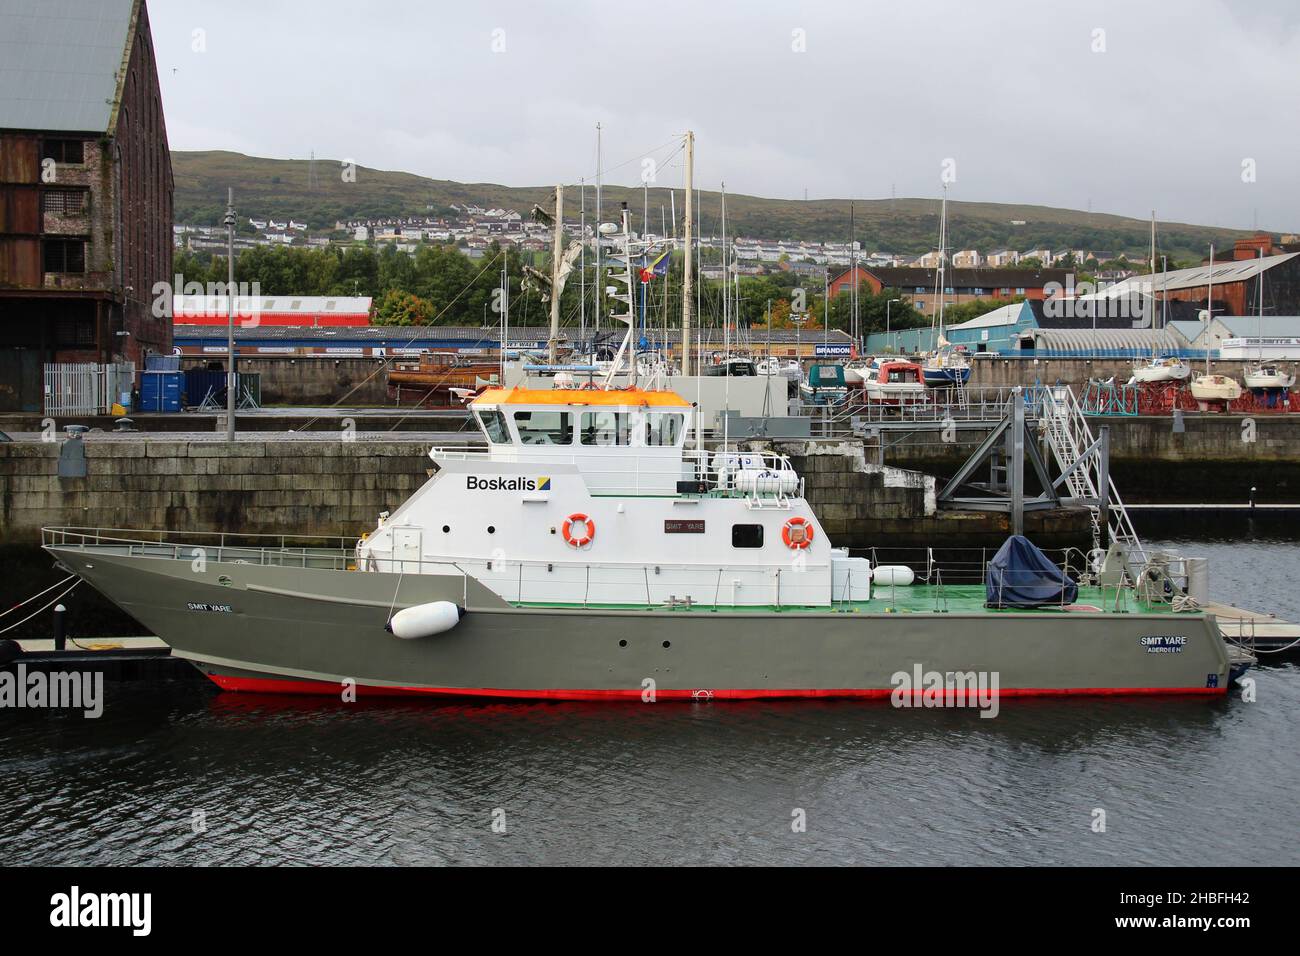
pixel 1252 497
pixel 60 628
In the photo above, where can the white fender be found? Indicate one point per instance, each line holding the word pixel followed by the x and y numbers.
pixel 424 620
pixel 893 574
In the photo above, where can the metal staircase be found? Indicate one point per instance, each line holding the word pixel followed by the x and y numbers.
pixel 1078 454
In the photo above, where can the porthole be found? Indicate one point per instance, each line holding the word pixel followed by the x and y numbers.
pixel 668 643
pixel 492 529
pixel 622 643
pixel 446 529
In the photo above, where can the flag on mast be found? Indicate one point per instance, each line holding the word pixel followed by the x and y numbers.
pixel 656 269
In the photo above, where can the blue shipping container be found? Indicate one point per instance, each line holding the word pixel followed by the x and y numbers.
pixel 161 391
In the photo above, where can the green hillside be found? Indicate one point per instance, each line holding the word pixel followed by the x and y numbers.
pixel 283 189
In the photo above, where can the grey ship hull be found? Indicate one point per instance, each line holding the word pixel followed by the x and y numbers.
pixel 267 628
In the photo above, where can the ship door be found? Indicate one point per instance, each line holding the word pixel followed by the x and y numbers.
pixel 406 550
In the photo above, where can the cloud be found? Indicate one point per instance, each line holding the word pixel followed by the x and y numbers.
pixel 845 99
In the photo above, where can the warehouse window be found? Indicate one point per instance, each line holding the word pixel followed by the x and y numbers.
pixel 74 331
pixel 66 151
pixel 65 255
pixel 64 202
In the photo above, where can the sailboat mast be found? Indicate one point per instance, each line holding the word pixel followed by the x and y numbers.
pixel 600 289
pixel 553 343
pixel 853 277
pixel 582 268
pixel 1153 242
pixel 688 274
pixel 1259 337
pixel 940 287
pixel 726 272
pixel 1209 309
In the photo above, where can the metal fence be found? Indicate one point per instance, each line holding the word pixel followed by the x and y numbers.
pixel 85 388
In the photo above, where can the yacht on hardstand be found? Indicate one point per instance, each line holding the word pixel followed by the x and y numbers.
pixel 589 553
pixel 893 381
pixel 1163 369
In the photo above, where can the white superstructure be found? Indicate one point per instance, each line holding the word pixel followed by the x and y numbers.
pixel 589 496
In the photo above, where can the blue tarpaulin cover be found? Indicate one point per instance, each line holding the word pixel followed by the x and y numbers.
pixel 1022 576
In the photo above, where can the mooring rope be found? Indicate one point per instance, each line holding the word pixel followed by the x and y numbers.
pixel 53 602
pixel 4 614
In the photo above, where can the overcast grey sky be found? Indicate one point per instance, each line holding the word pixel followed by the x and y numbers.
pixel 1032 103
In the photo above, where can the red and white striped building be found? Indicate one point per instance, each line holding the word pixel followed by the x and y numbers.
pixel 300 311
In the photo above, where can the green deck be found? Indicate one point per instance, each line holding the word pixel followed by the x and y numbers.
pixel 914 599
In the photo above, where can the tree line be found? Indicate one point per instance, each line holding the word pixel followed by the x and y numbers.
pixel 442 285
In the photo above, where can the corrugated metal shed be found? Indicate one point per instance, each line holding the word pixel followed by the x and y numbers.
pixel 59 61
pixel 1006 315
pixel 1228 271
pixel 1188 329
pixel 1103 341
pixel 1253 325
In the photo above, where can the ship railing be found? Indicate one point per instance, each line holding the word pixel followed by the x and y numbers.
pixel 328 552
pixel 947 567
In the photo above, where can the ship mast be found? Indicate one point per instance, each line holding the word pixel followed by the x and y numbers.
pixel 1209 309
pixel 553 342
pixel 622 259
pixel 688 276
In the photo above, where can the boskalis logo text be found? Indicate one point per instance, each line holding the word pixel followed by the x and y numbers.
pixel 505 483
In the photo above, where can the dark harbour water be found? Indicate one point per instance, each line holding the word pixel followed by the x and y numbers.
pixel 289 781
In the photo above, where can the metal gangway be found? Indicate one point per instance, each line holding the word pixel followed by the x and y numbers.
pixel 1084 462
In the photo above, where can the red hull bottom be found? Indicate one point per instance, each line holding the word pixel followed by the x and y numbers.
pixel 270 685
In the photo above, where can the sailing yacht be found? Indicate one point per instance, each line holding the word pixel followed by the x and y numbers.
pixel 1212 388
pixel 1161 369
pixel 1266 379
pixel 946 365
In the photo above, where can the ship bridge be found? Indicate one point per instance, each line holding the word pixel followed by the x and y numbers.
pixel 622 441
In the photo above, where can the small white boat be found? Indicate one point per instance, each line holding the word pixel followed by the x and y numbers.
pixel 1269 378
pixel 893 382
pixel 774 366
pixel 1215 388
pixel 1162 370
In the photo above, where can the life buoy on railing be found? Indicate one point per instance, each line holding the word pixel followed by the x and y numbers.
pixel 797 533
pixel 572 538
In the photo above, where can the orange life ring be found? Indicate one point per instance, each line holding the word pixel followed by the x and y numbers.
pixel 588 532
pixel 797 534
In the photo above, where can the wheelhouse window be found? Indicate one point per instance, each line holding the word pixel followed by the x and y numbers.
pixel 606 428
pixel 746 535
pixel 663 429
pixel 494 426
pixel 65 255
pixel 544 427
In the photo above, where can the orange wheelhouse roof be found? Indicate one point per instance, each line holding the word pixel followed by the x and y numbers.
pixel 580 396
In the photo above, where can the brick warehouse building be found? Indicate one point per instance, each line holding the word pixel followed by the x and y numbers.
pixel 85 189
pixel 962 285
